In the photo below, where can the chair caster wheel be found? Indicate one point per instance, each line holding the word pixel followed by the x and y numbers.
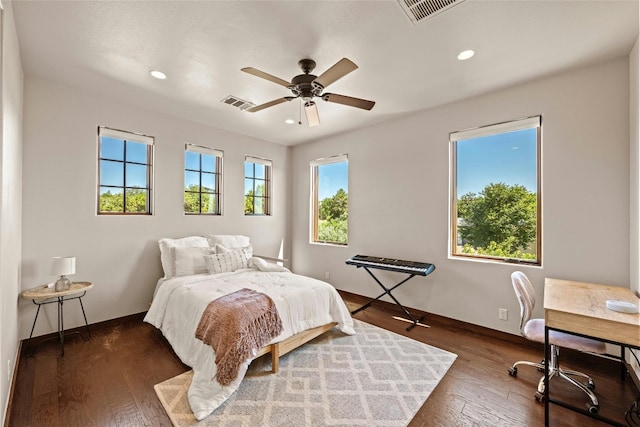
pixel 593 409
pixel 513 371
pixel 539 396
pixel 591 385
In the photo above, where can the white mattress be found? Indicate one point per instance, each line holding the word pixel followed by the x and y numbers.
pixel 179 302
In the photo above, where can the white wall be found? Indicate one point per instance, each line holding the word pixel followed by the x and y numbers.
pixel 10 200
pixel 119 254
pixel 634 148
pixel 399 195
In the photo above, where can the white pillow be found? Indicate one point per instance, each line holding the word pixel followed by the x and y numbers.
pixel 227 262
pixel 165 250
pixel 228 240
pixel 264 265
pixel 187 261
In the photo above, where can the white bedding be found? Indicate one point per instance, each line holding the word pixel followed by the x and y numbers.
pixel 179 302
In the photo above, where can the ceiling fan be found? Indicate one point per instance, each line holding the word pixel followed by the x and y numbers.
pixel 307 86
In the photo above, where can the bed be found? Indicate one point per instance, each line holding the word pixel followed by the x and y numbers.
pixel 202 270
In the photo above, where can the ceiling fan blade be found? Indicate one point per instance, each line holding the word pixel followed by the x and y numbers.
pixel 270 104
pixel 311 111
pixel 266 76
pixel 348 100
pixel 337 71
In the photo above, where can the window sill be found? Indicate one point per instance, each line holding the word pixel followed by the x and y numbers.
pixel 494 261
pixel 335 245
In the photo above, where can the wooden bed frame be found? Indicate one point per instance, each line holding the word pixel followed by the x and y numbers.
pixel 283 347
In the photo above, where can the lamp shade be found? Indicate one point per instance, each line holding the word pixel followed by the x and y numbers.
pixel 63 266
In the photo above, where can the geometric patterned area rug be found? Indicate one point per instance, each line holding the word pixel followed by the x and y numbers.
pixel 373 378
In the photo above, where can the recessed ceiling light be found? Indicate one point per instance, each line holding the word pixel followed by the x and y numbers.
pixel 289 121
pixel 466 54
pixel 158 74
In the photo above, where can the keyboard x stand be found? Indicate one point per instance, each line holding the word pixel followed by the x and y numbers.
pixel 387 291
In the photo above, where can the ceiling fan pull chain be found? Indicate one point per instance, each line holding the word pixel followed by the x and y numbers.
pixel 300 114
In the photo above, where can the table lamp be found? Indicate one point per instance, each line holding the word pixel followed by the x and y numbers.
pixel 63 266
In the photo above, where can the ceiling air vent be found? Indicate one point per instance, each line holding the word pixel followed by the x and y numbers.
pixel 419 10
pixel 237 102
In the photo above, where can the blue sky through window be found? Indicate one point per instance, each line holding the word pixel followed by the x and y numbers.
pixel 332 177
pixel 508 157
pixel 260 170
pixel 199 166
pixel 112 172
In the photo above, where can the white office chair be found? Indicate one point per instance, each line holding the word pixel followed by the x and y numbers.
pixel 533 329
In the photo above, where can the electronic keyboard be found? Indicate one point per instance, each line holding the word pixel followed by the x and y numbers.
pixel 392 264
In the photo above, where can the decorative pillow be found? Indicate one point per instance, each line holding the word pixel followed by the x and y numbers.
pixel 228 240
pixel 219 249
pixel 187 261
pixel 166 257
pixel 227 262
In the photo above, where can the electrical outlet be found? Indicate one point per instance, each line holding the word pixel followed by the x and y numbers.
pixel 503 313
pixel 327 275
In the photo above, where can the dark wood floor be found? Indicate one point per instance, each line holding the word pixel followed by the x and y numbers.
pixel 108 379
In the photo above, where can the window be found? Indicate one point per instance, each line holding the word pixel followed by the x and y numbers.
pixel 495 194
pixel 257 186
pixel 330 200
pixel 125 172
pixel 202 180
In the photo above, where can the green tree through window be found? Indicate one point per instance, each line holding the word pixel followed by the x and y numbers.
pixel 332 226
pixel 500 221
pixel 113 202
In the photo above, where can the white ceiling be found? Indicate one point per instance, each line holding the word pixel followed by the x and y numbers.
pixel 108 48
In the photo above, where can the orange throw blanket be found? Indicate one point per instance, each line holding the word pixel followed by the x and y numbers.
pixel 237 325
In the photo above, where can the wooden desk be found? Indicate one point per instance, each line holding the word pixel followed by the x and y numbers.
pixel 580 309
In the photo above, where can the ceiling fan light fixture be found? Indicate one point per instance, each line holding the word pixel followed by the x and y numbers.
pixel 466 54
pixel 311 111
pixel 158 74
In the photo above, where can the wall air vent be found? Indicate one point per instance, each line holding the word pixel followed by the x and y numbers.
pixel 419 10
pixel 234 101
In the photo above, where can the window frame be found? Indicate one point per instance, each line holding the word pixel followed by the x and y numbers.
pixel 219 156
pixel 126 136
pixel 315 202
pixel 268 174
pixel 484 131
